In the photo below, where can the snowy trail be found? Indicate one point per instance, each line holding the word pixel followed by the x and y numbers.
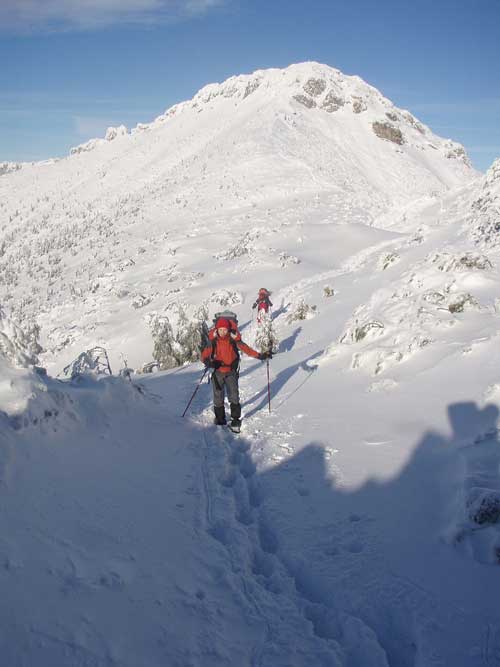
pixel 260 543
pixel 317 545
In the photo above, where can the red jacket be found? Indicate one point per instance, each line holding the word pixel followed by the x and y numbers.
pixel 224 351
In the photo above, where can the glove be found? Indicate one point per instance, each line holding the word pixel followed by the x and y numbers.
pixel 213 363
pixel 254 306
pixel 265 355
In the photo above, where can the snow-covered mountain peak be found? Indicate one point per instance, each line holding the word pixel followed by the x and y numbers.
pixel 134 222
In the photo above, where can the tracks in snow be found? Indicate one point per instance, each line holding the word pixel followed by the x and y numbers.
pixel 296 628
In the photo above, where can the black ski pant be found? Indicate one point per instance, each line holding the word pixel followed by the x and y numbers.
pixel 226 383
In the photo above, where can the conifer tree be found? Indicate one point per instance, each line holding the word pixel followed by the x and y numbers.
pixel 266 339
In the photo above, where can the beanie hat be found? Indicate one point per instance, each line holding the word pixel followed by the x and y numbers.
pixel 222 322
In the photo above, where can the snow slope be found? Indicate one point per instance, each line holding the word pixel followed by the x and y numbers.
pixel 357 523
pixel 114 230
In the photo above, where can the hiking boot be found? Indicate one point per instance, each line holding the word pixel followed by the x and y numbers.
pixel 220 416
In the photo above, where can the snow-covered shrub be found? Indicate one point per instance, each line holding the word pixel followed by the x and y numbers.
pixel 91 361
pixel 238 249
pixel 189 336
pixel 286 259
pixel 148 367
pixel 164 352
pixel 225 297
pixel 9 167
pixel 377 359
pixel 266 339
pixel 175 349
pixel 483 221
pixel 388 260
pixel 362 331
pixel 358 332
pixel 141 300
pixel 461 302
pixel 484 506
pixel 446 261
pixel 434 297
pixel 20 346
pixel 301 311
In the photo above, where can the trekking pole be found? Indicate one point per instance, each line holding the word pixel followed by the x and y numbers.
pixel 194 392
pixel 268 386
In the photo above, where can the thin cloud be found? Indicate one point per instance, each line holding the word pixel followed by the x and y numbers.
pixel 30 16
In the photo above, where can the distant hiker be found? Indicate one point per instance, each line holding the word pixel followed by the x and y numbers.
pixel 263 303
pixel 223 355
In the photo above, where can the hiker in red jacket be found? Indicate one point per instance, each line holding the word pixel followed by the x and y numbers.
pixel 223 355
pixel 263 303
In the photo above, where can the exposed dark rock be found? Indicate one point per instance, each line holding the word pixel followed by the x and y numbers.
pixel 251 87
pixel 358 104
pixel 305 101
pixel 314 87
pixel 332 103
pixel 388 132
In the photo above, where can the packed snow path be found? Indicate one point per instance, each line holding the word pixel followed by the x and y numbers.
pixel 131 536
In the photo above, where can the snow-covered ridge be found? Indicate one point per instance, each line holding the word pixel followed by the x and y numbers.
pixel 111 134
pixel 317 86
pixel 120 225
pixel 314 86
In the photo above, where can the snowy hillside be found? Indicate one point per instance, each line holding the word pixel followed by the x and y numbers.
pixel 357 523
pixel 114 231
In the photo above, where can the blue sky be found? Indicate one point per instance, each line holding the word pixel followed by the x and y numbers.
pixel 71 68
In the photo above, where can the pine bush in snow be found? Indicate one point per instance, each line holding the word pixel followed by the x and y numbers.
pixel 175 349
pixel 265 338
pixel 301 311
pixel 93 361
pixel 19 346
pixel 163 342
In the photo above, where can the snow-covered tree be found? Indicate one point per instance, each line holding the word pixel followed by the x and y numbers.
pixel 91 361
pixel 163 342
pixel 19 346
pixel 301 311
pixel 266 339
pixel 184 346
